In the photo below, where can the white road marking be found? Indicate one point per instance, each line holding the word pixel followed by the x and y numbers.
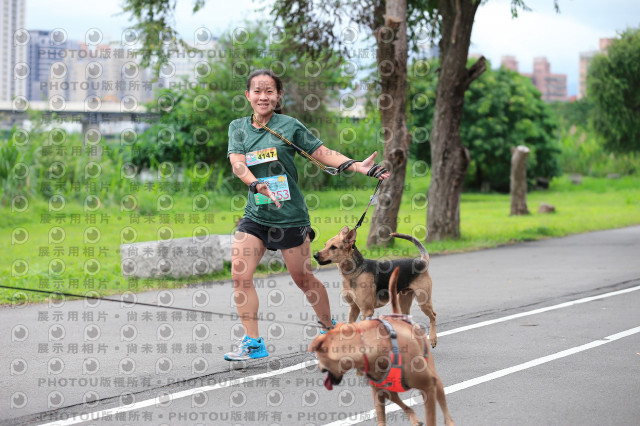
pixel 538 311
pixel 416 400
pixel 86 417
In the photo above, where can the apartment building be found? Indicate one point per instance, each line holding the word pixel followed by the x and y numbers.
pixel 553 87
pixel 585 61
pixel 13 41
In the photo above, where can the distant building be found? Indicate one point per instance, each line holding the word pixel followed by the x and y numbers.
pixel 13 41
pixel 189 65
pixel 509 62
pixel 585 61
pixel 104 73
pixel 43 50
pixel 553 87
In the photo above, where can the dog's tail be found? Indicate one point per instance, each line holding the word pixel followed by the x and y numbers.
pixel 423 251
pixel 393 290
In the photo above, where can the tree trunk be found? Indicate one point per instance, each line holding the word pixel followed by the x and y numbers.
pixel 449 158
pixel 518 184
pixel 392 66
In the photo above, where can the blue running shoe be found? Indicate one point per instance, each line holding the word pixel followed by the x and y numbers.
pixel 248 348
pixel 325 330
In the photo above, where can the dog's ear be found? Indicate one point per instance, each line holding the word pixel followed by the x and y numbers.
pixel 317 344
pixel 344 230
pixel 339 325
pixel 350 239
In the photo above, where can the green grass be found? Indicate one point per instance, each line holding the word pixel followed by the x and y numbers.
pixel 485 222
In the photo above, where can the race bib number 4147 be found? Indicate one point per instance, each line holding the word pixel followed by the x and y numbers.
pixel 262 156
pixel 278 185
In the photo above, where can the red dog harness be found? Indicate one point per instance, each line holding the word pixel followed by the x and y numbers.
pixel 393 380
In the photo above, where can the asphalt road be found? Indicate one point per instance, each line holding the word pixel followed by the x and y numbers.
pixel 537 333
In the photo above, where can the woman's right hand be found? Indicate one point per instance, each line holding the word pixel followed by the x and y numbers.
pixel 263 189
pixel 368 163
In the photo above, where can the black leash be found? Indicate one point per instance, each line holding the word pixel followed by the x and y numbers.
pixel 79 296
pixel 371 200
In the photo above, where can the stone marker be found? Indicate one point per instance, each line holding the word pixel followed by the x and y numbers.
pixel 546 208
pixel 183 257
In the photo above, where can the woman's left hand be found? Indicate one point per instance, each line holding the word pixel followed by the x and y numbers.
pixel 367 164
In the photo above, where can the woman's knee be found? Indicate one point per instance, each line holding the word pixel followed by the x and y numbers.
pixel 242 280
pixel 304 280
pixel 241 266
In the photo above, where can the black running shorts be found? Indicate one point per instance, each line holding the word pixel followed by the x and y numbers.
pixel 276 238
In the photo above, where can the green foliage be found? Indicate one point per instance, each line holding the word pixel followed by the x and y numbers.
pixel 154 20
pixel 613 86
pixel 14 179
pixel 576 113
pixel 48 163
pixel 582 151
pixel 502 110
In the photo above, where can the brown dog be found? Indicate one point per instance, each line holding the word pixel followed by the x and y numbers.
pixel 394 354
pixel 365 282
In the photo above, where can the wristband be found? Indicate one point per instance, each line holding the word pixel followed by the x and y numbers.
pixel 253 186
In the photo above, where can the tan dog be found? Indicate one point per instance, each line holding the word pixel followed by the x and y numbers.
pixel 395 357
pixel 365 282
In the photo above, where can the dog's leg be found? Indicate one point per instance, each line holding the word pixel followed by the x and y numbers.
pixel 429 397
pixel 367 313
pixel 379 399
pixel 442 401
pixel 366 296
pixel 405 299
pixel 354 311
pixel 439 391
pixel 413 418
pixel 427 308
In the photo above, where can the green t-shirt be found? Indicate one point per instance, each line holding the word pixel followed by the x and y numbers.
pixel 255 144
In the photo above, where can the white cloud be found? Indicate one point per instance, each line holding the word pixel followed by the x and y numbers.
pixel 78 16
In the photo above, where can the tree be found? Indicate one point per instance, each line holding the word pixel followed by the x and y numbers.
pixel 314 25
pixel 502 109
pixel 613 87
pixel 449 158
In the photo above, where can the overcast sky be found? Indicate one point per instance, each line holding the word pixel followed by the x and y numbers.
pixel 540 32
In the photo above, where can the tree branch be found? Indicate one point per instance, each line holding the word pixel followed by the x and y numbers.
pixel 475 71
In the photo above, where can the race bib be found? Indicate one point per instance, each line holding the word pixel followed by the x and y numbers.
pixel 278 185
pixel 262 156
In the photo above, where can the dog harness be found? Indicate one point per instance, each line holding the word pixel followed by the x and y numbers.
pixel 393 380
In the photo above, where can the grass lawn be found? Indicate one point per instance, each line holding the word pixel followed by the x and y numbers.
pixel 75 264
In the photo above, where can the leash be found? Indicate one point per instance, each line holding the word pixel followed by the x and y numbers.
pixel 372 198
pixel 331 170
pixel 86 296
